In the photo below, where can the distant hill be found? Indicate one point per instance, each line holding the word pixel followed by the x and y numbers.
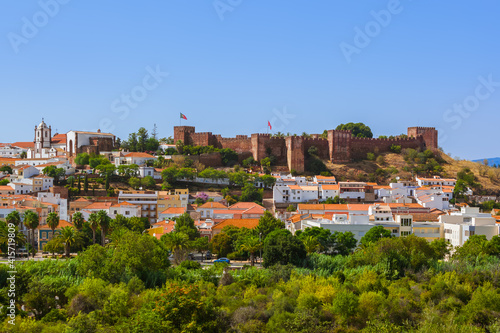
pixel 491 161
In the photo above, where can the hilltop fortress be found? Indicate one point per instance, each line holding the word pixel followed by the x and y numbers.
pixel 339 147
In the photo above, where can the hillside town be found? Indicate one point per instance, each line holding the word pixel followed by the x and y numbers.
pixel 48 178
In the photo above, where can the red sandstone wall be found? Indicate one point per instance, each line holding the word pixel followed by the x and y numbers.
pixel 361 146
pixel 295 153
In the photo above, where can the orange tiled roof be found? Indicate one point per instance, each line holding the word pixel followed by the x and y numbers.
pixel 174 210
pixel 124 203
pixel 244 205
pixel 82 200
pixel 358 206
pixel 212 204
pixel 139 155
pixel 239 223
pixel 330 187
pixel 99 206
pixel 58 138
pixel 62 224
pixel 254 210
pixel 24 145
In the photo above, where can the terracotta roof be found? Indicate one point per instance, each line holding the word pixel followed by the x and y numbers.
pixel 212 204
pixel 62 224
pixel 25 145
pixel 58 138
pixel 227 211
pixel 49 164
pixel 5 188
pixel 309 188
pixel 294 187
pixel 404 205
pixel 82 200
pixel 330 187
pixel 174 210
pixel 378 187
pixel 359 206
pixel 239 223
pixel 254 210
pixel 99 206
pixel 325 177
pixel 124 203
pixel 139 155
pixel 244 205
pixel 425 217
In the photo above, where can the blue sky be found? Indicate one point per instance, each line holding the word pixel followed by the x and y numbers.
pixel 235 64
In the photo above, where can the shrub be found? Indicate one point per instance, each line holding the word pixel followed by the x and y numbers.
pixel 370 156
pixel 189 264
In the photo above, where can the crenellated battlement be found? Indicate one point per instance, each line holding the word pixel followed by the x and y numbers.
pixel 340 146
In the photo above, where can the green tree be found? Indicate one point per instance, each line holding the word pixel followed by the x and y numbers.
pixel 221 244
pixel 82 159
pixel 178 243
pixel 31 221
pixel 86 184
pixel 374 234
pixel 249 193
pixel 13 217
pixel 104 221
pixel 268 223
pixel 229 157
pixel 148 182
pixel 78 220
pixel 6 168
pixel 281 247
pixel 94 224
pixel 185 224
pixel 359 130
pixel 53 222
pixel 69 237
pixel 200 244
pixel 343 242
pixel 134 182
pixel 251 244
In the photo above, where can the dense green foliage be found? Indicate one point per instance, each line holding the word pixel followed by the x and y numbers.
pixel 394 284
pixel 359 130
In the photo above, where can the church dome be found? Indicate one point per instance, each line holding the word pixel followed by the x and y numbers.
pixel 42 125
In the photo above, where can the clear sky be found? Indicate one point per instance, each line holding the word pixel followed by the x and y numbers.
pixel 232 65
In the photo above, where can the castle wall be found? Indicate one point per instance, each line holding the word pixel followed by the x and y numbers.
pixel 295 153
pixel 340 147
pixel 359 147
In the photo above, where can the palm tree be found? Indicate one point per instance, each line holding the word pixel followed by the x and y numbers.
pixel 19 237
pixel 13 217
pixel 78 220
pixel 311 243
pixel 103 220
pixel 178 243
pixel 31 221
pixel 53 222
pixel 251 245
pixel 94 224
pixel 69 237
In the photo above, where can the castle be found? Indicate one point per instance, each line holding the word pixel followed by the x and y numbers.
pixel 339 147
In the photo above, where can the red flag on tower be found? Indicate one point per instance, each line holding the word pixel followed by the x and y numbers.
pixel 183 116
pixel 269 124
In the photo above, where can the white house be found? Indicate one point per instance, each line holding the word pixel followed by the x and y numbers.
pixel 459 226
pixel 57 200
pixel 134 158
